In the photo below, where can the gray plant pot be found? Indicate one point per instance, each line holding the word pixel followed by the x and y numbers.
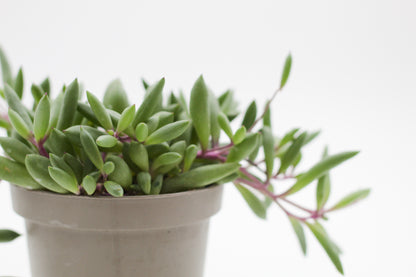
pixel 149 236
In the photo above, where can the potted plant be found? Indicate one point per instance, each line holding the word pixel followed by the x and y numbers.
pixel 111 189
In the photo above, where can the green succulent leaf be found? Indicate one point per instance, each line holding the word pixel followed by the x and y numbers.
pixel 16 105
pixel 253 201
pixel 138 155
pixel 142 132
pixel 89 184
pixel 5 68
pixel 41 120
pixel 58 143
pixel 239 135
pixel 250 115
pixel 64 179
pixel 69 106
pixel 323 189
pixel 288 137
pixel 150 102
pixel 157 185
pixel 100 111
pixel 144 180
pixel 75 165
pixel 114 189
pixel 268 146
pixel 178 147
pixel 297 227
pixel 351 199
pixel 168 132
pixel 109 167
pixel 286 71
pixel 18 83
pixel 15 173
pixel 15 149
pixel 200 177
pixel 290 156
pixel 225 125
pixel 267 120
pixel 115 97
pixel 37 166
pixel 121 174
pixel 327 244
pixel 214 110
pixel 106 141
pixel 55 110
pixel 8 235
pixel 166 159
pixel 199 110
pixel 19 124
pixel 243 150
pixel 46 86
pixel 319 170
pixel 91 149
pixel 191 153
pixel 126 119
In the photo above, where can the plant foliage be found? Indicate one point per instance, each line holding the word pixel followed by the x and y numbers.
pixel 72 144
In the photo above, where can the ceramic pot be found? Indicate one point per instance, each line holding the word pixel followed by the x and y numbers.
pixel 149 236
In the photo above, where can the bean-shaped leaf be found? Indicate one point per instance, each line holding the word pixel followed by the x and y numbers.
pixel 126 119
pixel 142 132
pixel 178 147
pixel 59 162
pixel 319 170
pixel 15 104
pixel 17 174
pixel 100 111
pixel 37 166
pixel 190 154
pixel 268 146
pixel 239 135
pixel 115 97
pixel 199 110
pixel 297 227
pixel 144 180
pixel 323 189
pixel 327 244
pixel 267 118
pixel 157 185
pixel 114 189
pixel 109 167
pixel 351 199
pixel 150 102
pixel 121 174
pixel 106 141
pixel 41 120
pixel 253 201
pixel 89 184
pixel 5 68
pixel 91 149
pixel 138 155
pixel 214 110
pixel 225 125
pixel 18 83
pixel 64 179
pixel 286 71
pixel 166 159
pixel 8 235
pixel 244 149
pixel 69 106
pixel 75 165
pixel 168 132
pixel 15 149
pixel 290 156
pixel 250 115
pixel 19 124
pixel 200 177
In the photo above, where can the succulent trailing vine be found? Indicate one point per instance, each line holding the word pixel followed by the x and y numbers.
pixel 89 147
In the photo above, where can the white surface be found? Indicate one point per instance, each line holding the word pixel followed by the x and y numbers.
pixel 353 77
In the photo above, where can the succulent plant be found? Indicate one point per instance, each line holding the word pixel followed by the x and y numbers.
pixel 96 148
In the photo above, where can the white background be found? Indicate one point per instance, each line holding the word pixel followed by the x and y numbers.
pixel 353 77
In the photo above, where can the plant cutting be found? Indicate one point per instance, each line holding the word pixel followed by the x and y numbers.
pixel 111 189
